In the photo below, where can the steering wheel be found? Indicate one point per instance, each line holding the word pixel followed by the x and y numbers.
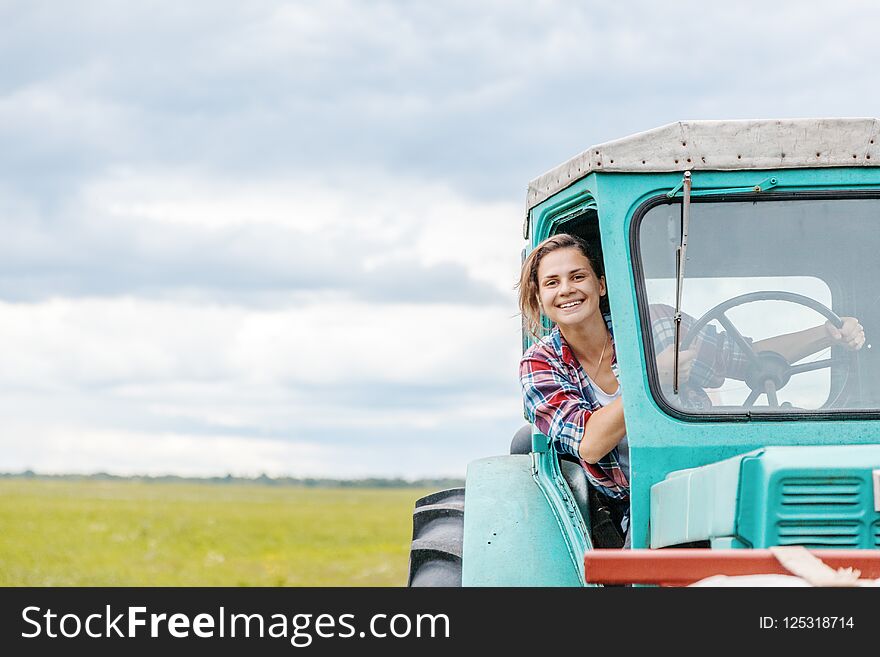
pixel 768 371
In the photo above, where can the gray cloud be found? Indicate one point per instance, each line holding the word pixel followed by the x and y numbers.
pixel 484 96
pixel 44 259
pixel 342 417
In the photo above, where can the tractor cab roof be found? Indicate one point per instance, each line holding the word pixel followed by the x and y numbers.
pixel 723 146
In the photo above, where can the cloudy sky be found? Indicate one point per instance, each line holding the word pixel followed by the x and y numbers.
pixel 282 237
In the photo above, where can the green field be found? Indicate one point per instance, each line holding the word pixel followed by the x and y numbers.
pixel 130 533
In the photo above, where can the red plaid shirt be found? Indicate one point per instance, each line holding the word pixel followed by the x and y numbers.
pixel 719 356
pixel 559 400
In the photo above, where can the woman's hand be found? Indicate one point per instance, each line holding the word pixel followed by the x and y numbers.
pixel 850 336
pixel 666 365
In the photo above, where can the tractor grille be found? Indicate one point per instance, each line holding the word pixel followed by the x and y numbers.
pixel 819 534
pixel 810 492
pixel 876 534
pixel 820 512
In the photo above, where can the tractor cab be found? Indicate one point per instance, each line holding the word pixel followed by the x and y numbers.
pixel 725 237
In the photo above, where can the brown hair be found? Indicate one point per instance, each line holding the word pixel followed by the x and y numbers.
pixel 528 279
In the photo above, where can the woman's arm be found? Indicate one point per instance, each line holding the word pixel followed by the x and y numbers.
pixel 794 346
pixel 558 408
pixel 714 356
pixel 603 430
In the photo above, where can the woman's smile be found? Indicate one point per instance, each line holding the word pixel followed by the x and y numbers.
pixel 568 288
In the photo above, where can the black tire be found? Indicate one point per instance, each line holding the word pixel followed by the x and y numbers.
pixel 438 533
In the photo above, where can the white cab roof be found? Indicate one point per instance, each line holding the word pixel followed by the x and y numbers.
pixel 723 145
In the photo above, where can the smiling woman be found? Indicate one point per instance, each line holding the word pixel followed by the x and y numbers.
pixel 569 378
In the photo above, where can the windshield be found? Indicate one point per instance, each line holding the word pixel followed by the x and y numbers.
pixel 780 303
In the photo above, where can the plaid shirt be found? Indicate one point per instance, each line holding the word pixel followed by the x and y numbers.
pixel 718 355
pixel 559 400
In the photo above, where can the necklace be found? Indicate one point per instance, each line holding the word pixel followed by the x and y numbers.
pixel 599 364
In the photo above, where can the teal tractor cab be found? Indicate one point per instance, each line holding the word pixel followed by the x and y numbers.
pixel 752 229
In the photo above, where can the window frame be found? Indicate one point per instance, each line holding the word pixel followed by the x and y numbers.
pixel 644 323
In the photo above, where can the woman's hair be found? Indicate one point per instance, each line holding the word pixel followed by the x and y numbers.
pixel 529 305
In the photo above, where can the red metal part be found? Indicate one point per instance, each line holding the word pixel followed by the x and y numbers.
pixel 680 567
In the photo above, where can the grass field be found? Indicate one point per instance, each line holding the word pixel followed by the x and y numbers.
pixel 129 533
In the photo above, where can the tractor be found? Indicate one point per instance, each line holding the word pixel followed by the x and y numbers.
pixel 756 228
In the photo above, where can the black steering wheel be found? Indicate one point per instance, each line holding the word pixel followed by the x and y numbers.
pixel 768 371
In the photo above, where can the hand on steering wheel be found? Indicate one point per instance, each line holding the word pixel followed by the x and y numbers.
pixel 769 371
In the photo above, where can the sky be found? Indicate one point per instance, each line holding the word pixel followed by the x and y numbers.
pixel 282 237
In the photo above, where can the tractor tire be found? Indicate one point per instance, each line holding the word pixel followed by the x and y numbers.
pixel 438 533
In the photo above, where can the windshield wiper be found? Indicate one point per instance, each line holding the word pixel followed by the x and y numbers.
pixel 681 252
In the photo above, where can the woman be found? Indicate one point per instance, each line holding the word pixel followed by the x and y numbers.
pixel 569 378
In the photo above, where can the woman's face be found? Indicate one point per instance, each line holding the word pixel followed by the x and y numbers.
pixel 568 288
